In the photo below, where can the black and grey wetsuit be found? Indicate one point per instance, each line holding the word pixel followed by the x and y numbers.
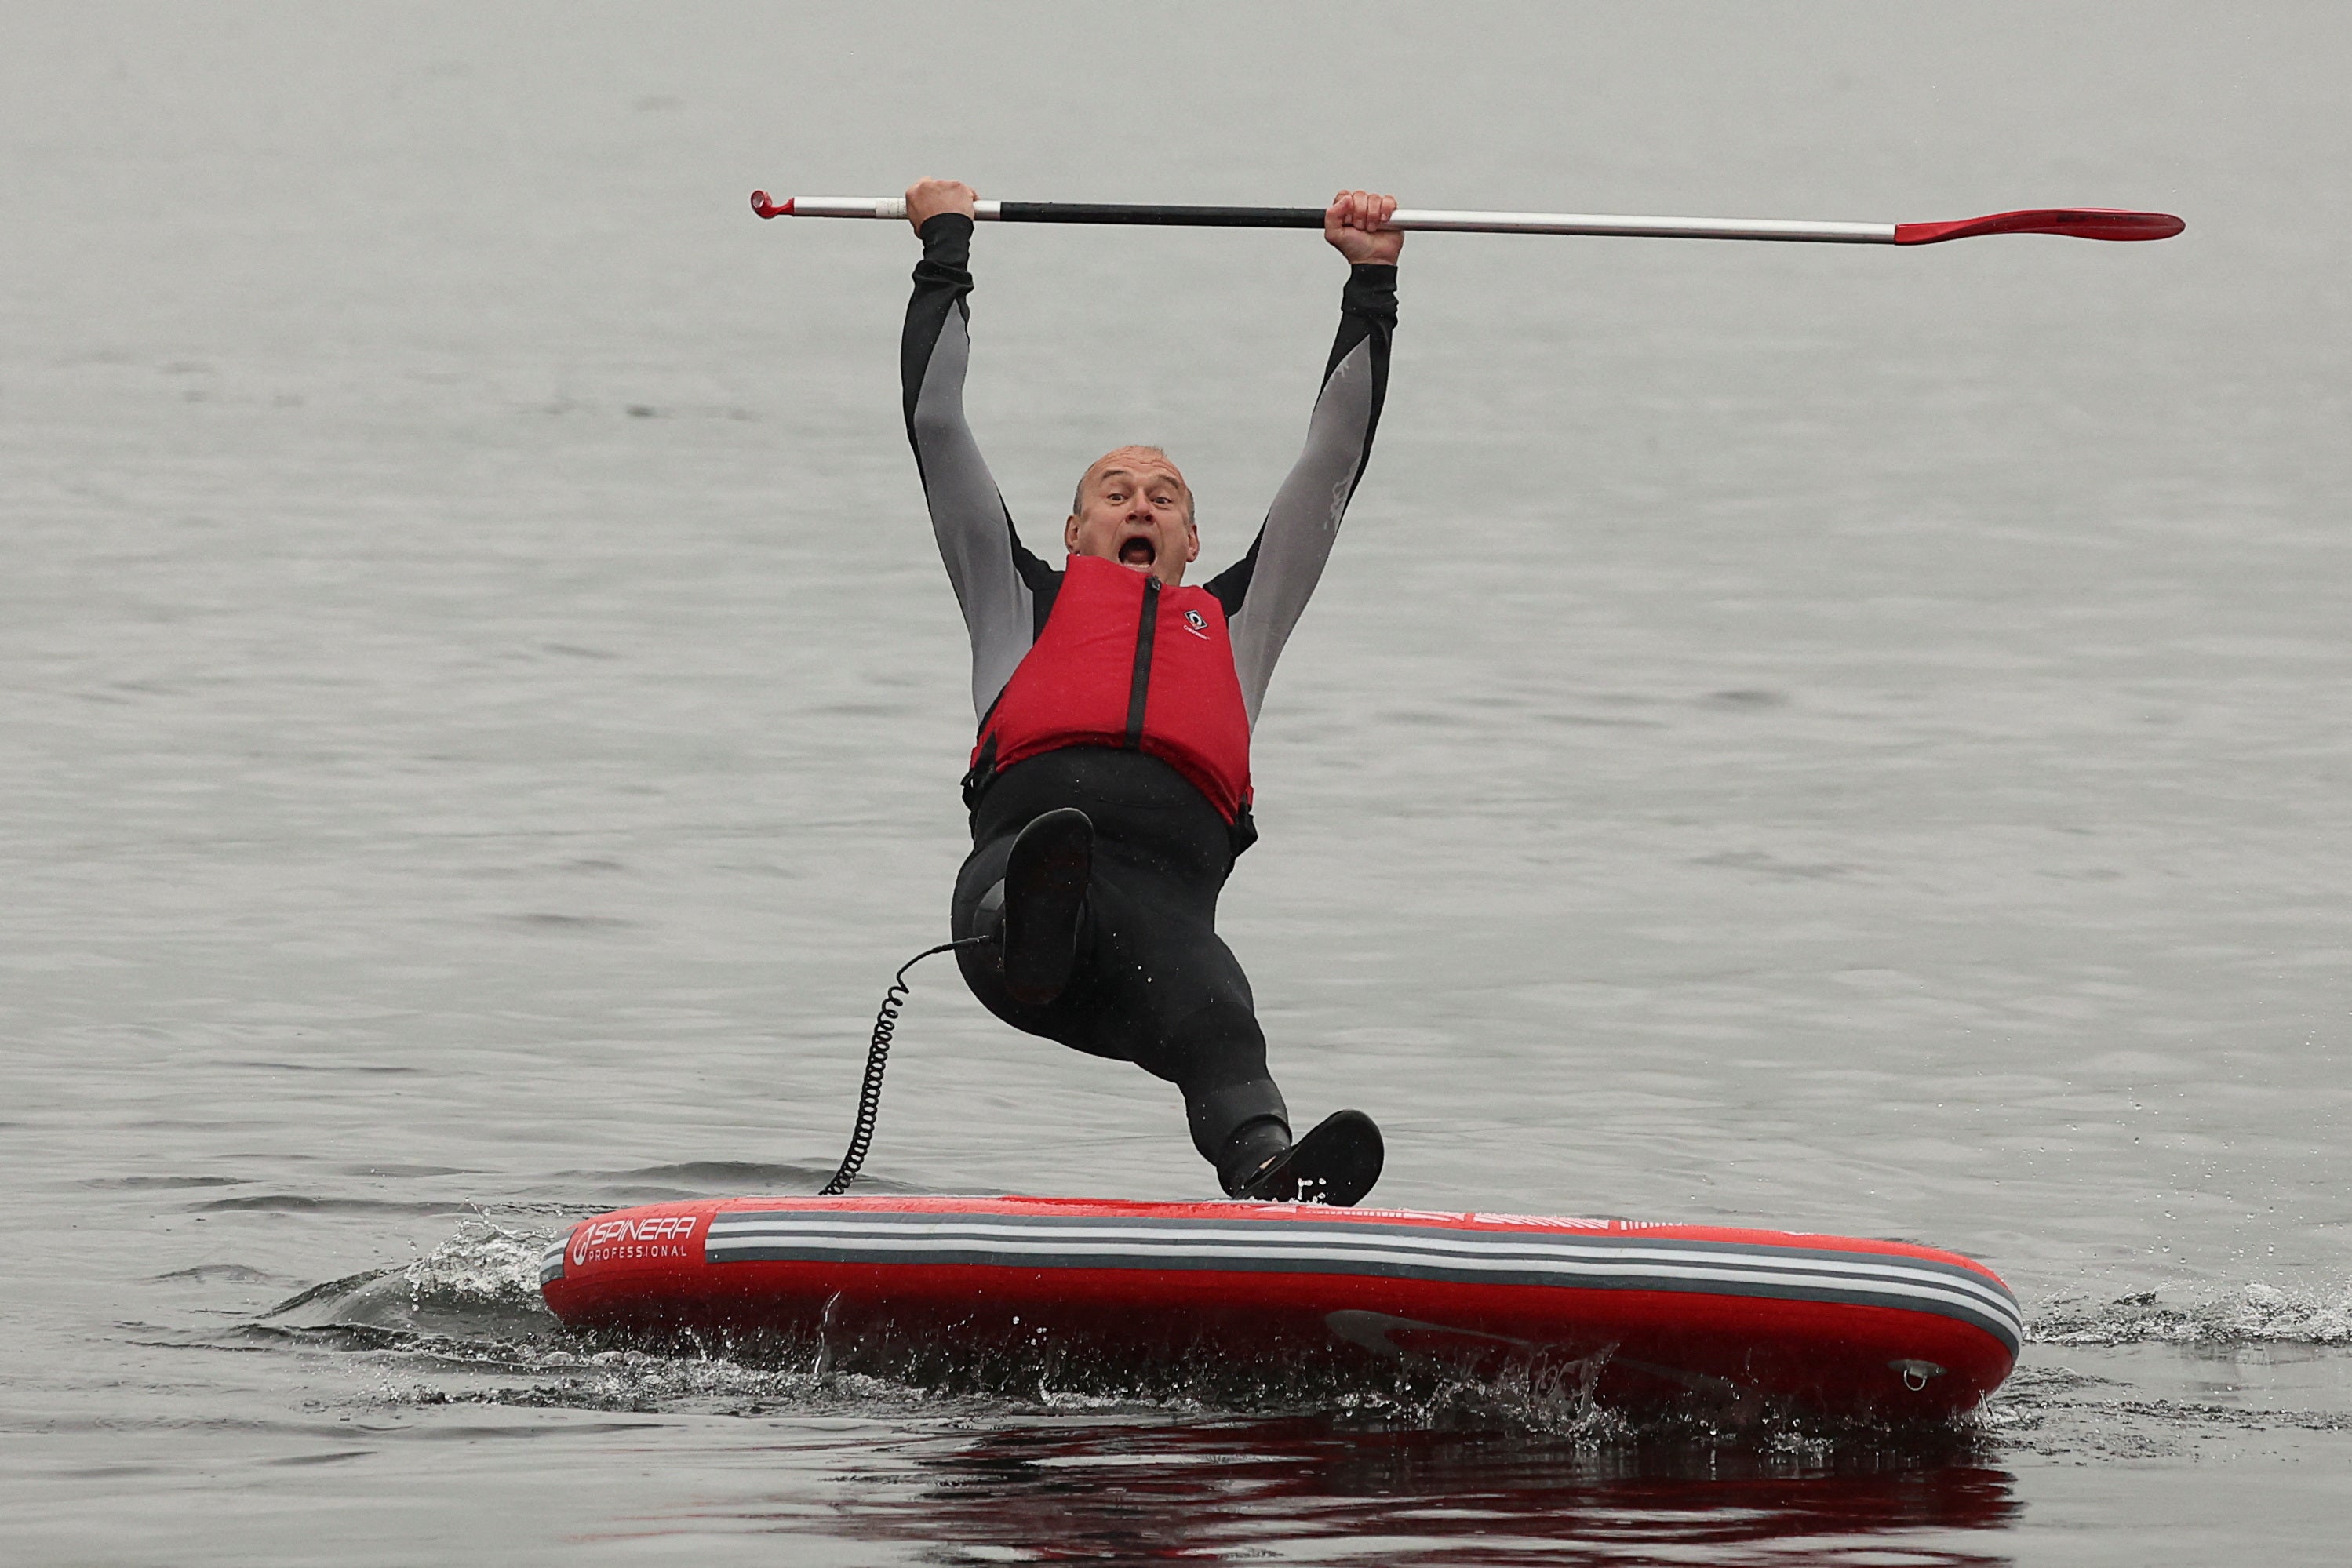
pixel 1154 983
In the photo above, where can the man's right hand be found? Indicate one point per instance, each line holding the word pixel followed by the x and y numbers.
pixel 926 199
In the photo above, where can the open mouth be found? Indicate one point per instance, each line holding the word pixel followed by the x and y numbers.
pixel 1137 551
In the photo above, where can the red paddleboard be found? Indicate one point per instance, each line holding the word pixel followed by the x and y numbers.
pixel 1648 1315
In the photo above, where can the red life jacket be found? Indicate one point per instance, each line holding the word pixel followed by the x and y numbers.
pixel 1126 661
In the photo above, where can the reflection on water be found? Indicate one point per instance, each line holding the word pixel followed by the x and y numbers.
pixel 1317 1489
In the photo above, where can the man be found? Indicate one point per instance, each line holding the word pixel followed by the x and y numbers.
pixel 1109 789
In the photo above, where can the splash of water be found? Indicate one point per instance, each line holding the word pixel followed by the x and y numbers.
pixel 2247 1314
pixel 484 1265
pixel 481 1285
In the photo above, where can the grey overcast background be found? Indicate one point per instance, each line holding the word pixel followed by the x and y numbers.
pixel 1832 737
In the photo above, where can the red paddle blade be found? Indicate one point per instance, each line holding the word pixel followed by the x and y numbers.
pixel 768 209
pixel 2082 223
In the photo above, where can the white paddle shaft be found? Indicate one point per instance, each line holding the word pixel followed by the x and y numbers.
pixel 1414 218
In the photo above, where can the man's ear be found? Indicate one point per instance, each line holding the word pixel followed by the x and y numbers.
pixel 1191 543
pixel 1070 535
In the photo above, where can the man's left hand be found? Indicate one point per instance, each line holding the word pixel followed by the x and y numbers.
pixel 1352 223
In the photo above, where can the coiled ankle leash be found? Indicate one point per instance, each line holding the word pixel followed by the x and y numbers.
pixel 877 1059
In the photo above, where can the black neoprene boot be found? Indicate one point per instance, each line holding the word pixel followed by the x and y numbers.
pixel 1336 1163
pixel 1045 901
pixel 1253 1147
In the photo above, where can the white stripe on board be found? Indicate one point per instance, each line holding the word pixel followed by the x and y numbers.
pixel 1487 1245
pixel 1473 1250
pixel 1917 1287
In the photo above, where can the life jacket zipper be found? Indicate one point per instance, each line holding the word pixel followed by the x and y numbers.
pixel 1139 688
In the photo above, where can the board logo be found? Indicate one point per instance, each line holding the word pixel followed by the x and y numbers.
pixel 631 1238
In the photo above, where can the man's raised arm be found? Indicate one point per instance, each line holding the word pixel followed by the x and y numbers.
pixel 1265 591
pixel 993 573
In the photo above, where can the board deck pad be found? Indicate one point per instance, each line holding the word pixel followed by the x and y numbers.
pixel 1656 1315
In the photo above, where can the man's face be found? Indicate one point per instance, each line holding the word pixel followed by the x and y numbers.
pixel 1134 509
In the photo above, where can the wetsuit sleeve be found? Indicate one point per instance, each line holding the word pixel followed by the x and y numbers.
pixel 1266 590
pixel 1002 588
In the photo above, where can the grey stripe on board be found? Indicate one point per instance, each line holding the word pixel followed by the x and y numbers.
pixel 1371 1244
pixel 1276 1231
pixel 1930 1294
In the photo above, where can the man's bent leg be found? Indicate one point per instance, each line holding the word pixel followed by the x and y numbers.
pixel 1152 985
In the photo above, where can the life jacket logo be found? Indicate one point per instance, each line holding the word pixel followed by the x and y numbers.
pixel 631 1238
pixel 1197 623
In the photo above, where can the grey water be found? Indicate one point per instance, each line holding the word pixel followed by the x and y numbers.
pixel 1829 737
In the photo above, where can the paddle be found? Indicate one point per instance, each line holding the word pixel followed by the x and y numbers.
pixel 2082 223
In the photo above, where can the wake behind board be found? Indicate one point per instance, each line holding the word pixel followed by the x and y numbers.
pixel 1657 1315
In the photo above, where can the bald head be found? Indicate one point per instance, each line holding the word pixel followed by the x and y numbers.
pixel 1134 459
